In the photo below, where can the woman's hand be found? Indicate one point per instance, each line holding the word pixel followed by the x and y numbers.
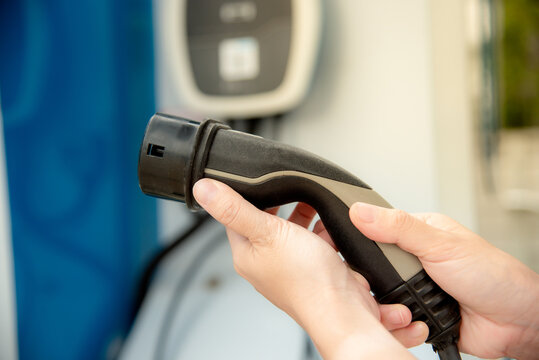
pixel 302 274
pixel 498 295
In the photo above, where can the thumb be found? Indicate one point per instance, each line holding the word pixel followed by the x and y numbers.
pixel 397 227
pixel 233 211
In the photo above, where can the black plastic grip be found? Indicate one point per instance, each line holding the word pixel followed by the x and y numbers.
pixel 253 157
pixel 176 153
pixel 424 298
pixel 361 253
pixel 430 304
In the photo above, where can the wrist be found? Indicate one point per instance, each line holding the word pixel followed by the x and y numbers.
pixel 525 344
pixel 373 344
pixel 344 327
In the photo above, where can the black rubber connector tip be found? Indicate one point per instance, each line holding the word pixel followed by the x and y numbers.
pixel 173 156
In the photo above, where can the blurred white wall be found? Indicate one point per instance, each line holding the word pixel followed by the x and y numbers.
pixel 455 51
pixel 8 334
pixel 389 100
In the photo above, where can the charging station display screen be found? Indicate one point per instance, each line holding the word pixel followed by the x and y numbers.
pixel 238 47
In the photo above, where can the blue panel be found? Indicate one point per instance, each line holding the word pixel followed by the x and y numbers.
pixel 76 83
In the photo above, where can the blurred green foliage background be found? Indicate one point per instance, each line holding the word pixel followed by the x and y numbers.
pixel 519 62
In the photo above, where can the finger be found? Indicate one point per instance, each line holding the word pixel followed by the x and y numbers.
pixel 444 223
pixel 302 215
pixel 436 220
pixel 272 211
pixel 413 335
pixel 361 280
pixel 320 230
pixel 396 226
pixel 395 316
pixel 230 209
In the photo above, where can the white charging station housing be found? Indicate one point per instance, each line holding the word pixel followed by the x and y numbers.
pixel 239 59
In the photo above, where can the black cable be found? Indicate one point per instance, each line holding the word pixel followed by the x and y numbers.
pixel 449 352
pixel 180 291
pixel 233 123
pixel 147 275
pixel 253 125
pixel 277 121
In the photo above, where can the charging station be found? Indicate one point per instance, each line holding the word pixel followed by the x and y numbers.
pixel 238 59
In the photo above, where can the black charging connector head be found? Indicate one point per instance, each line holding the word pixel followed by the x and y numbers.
pixel 172 155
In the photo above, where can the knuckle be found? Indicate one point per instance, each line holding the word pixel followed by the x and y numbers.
pixel 401 220
pixel 282 229
pixel 305 211
pixel 441 218
pixel 274 229
pixel 229 213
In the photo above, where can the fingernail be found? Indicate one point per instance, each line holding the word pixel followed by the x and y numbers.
pixel 365 212
pixel 418 329
pixel 396 317
pixel 204 192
